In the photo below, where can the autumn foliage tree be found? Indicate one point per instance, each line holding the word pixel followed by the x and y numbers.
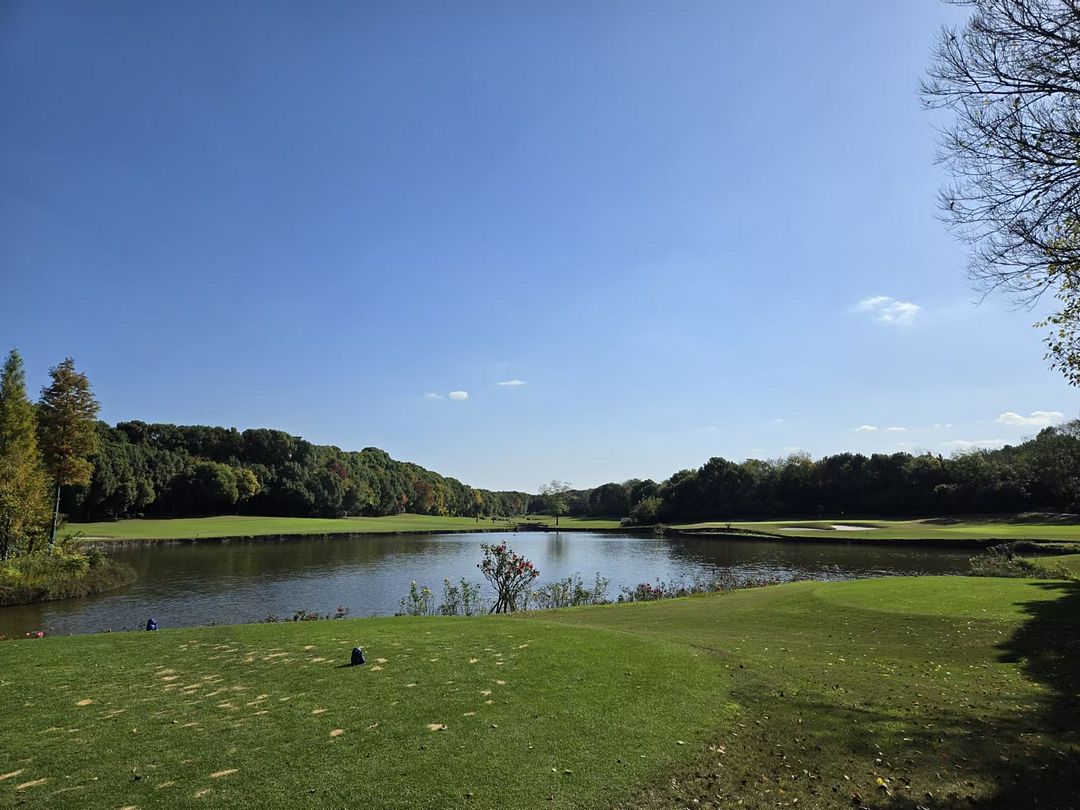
pixel 24 486
pixel 68 428
pixel 510 575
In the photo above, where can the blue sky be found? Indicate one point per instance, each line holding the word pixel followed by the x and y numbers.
pixel 690 229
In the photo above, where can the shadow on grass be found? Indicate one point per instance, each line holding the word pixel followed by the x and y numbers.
pixel 1033 755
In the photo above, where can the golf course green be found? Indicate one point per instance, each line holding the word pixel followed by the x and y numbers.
pixel 931 691
pixel 1038 527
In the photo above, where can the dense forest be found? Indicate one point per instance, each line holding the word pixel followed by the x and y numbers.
pixel 1040 474
pixel 172 470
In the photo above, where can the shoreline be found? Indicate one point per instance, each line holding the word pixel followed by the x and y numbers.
pixel 107 543
pixel 1049 547
pixel 105 577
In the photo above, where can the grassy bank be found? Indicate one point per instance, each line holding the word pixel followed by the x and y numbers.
pixel 1019 527
pixel 1038 528
pixel 46 586
pixel 247 526
pixel 944 692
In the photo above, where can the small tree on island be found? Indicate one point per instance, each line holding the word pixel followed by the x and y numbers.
pixel 510 575
pixel 554 498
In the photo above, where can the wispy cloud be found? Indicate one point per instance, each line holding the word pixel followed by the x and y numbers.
pixel 896 429
pixel 962 444
pixel 866 428
pixel 432 396
pixel 513 383
pixel 458 396
pixel 1034 419
pixel 889 310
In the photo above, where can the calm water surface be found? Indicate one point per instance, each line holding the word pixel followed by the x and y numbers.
pixel 226 583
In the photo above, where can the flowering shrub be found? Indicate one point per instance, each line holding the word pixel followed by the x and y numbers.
pixel 510 575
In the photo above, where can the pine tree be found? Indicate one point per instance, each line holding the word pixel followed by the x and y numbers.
pixel 68 420
pixel 24 485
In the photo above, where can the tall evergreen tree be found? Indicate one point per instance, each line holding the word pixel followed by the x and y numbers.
pixel 24 487
pixel 68 430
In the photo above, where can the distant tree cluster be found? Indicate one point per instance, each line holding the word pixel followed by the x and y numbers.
pixel 172 470
pixel 1040 474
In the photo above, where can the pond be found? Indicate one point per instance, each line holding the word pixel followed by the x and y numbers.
pixel 227 583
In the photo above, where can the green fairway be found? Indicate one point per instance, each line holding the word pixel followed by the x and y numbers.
pixel 936 692
pixel 1070 562
pixel 246 526
pixel 1014 528
pixel 903 688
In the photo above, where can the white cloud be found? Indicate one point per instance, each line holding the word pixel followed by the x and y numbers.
pixel 432 396
pixel 896 430
pixel 512 382
pixel 961 444
pixel 779 421
pixel 458 396
pixel 1034 419
pixel 866 428
pixel 940 425
pixel 889 310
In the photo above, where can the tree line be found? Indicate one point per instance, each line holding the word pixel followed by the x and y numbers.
pixel 165 470
pixel 43 449
pixel 1041 474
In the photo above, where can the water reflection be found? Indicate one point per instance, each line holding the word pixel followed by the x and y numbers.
pixel 191 584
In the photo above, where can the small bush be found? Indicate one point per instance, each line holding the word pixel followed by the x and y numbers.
pixel 646 511
pixel 1002 561
pixel 59 573
pixel 570 592
pixel 418 602
pixel 673 589
pixel 462 599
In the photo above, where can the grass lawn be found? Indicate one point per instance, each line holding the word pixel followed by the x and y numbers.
pixel 246 526
pixel 1019 527
pixel 889 692
pixel 1070 562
